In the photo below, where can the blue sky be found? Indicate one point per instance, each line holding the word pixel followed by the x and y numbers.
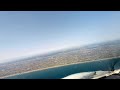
pixel 26 33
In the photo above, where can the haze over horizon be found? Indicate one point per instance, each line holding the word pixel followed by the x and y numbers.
pixel 26 33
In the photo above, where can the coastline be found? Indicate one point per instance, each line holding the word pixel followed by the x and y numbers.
pixel 57 66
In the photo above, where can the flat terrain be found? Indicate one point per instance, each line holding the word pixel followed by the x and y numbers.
pixel 82 54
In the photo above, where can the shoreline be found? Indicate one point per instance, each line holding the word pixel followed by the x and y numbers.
pixel 57 66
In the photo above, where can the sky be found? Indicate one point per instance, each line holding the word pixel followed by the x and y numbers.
pixel 27 33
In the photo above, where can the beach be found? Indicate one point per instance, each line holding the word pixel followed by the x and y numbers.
pixel 65 70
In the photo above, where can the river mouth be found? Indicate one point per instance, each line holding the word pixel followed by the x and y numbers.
pixel 63 71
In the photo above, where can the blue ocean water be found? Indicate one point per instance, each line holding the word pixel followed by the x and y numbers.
pixel 60 72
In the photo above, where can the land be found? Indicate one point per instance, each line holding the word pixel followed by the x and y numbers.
pixel 82 54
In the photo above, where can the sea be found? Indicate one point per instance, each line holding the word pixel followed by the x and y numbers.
pixel 63 71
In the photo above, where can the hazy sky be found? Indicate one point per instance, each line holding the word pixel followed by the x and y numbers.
pixel 24 33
